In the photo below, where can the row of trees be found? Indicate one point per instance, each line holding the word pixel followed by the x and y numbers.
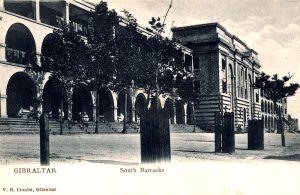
pixel 118 56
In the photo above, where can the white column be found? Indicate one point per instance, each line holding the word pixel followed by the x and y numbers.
pixel 133 107
pixel 38 59
pixel 185 114
pixel 3 106
pixel 115 114
pixel 37 11
pixel 2 4
pixel 175 114
pixel 66 13
pixel 2 52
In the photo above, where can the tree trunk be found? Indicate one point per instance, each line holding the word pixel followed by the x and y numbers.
pixel 61 111
pixel 125 114
pixel 157 90
pixel 280 124
pixel 97 113
pixel 194 119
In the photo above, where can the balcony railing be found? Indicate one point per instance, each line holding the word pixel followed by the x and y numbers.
pixel 16 56
pixel 81 29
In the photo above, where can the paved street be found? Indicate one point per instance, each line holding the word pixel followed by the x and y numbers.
pixel 125 149
pixel 91 164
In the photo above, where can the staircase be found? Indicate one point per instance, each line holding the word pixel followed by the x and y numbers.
pixel 118 127
pixel 31 126
pixel 18 126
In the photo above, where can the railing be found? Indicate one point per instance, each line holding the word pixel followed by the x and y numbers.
pixel 81 29
pixel 59 21
pixel 16 56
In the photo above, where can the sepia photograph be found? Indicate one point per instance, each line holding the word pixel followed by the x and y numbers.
pixel 149 97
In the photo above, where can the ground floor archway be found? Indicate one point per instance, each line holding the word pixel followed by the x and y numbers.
pixel 179 112
pixel 55 99
pixel 189 114
pixel 140 105
pixel 169 106
pixel 21 95
pixel 82 102
pixel 121 106
pixel 106 104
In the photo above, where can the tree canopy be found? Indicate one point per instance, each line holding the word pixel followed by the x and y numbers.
pixel 275 88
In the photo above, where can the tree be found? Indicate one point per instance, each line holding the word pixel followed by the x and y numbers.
pixel 276 89
pixel 162 62
pixel 68 62
pixel 128 58
pixel 189 93
pixel 102 46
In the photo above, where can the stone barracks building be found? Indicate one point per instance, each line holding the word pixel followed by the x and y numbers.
pixel 225 68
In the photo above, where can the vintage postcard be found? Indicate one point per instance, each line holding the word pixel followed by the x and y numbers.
pixel 149 97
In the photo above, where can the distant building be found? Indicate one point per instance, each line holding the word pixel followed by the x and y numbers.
pixel 225 69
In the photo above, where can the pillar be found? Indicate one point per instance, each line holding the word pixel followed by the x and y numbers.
pixel 115 114
pixel 2 52
pixel 66 13
pixel 37 11
pixel 175 116
pixel 37 59
pixel 70 105
pixel 2 4
pixel 3 105
pixel 184 114
pixel 133 99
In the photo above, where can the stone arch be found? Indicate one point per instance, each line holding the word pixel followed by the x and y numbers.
pixel 121 105
pixel 242 82
pixel 249 88
pixel 48 50
pixel 55 96
pixel 230 83
pixel 189 114
pixel 269 122
pixel 82 102
pixel 20 45
pixel 179 112
pixel 266 107
pixel 169 106
pixel 140 105
pixel 106 104
pixel 21 93
pixel 153 102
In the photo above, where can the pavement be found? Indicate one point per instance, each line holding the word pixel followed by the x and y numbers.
pixel 105 164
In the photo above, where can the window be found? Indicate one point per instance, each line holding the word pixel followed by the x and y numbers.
pixel 196 85
pixel 223 64
pixel 224 86
pixel 257 97
pixel 196 63
pixel 188 62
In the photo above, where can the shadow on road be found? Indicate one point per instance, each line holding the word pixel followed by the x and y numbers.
pixel 241 148
pixel 294 157
pixel 112 162
pixel 200 140
pixel 194 151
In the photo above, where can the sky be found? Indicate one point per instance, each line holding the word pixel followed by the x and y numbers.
pixel 270 27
